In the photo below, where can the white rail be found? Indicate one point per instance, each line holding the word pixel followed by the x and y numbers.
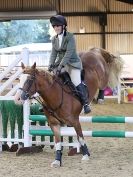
pixel 13 90
pixel 9 81
pixel 9 68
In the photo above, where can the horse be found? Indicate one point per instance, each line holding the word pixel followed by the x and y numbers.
pixel 60 106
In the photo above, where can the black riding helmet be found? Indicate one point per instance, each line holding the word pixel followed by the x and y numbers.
pixel 58 20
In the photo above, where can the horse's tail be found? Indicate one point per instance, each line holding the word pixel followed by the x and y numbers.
pixel 115 67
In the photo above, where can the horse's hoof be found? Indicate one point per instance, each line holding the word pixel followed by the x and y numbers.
pixel 14 148
pixel 56 164
pixel 85 158
pixel 87 109
pixel 5 147
pixel 100 101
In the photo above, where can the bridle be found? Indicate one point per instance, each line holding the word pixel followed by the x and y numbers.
pixel 29 82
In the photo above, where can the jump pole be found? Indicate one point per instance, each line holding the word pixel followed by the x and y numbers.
pixel 69 131
pixel 93 119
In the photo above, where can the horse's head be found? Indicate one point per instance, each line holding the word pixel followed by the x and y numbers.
pixel 28 83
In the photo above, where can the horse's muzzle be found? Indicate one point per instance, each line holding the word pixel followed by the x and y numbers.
pixel 24 95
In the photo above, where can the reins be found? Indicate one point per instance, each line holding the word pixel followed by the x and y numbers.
pixel 50 110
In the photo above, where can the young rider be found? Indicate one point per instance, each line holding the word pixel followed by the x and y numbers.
pixel 65 58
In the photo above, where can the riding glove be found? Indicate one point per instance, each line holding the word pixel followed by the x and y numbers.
pixel 59 69
pixel 50 68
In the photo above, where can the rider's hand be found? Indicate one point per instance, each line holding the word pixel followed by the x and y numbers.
pixel 59 70
pixel 50 68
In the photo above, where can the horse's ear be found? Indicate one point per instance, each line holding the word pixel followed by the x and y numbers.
pixel 22 65
pixel 34 66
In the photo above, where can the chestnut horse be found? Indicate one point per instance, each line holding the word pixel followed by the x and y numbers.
pixel 101 68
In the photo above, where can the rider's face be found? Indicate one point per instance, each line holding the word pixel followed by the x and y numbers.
pixel 58 29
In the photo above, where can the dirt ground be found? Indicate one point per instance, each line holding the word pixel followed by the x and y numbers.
pixel 110 157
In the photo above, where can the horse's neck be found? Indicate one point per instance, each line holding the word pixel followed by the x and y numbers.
pixel 47 90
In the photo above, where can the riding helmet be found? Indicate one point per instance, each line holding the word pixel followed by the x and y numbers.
pixel 58 20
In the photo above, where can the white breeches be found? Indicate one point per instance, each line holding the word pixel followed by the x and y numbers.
pixel 74 73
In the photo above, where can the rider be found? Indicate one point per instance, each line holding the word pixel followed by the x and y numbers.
pixel 64 57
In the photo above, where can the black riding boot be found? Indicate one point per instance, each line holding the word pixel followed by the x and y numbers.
pixel 83 93
pixel 65 77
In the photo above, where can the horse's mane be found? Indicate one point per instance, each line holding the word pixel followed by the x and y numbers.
pixel 44 72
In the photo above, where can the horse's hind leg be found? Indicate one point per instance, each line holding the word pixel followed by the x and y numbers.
pixel 81 140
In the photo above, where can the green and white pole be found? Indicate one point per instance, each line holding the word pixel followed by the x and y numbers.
pixel 106 119
pixel 69 131
pixel 94 119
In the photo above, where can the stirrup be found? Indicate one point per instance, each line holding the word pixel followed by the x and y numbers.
pixel 87 109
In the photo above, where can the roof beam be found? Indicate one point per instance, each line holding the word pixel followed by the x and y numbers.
pixel 94 13
pixel 126 1
pixel 26 15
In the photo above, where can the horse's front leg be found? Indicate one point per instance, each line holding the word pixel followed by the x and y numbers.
pixel 81 140
pixel 58 154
